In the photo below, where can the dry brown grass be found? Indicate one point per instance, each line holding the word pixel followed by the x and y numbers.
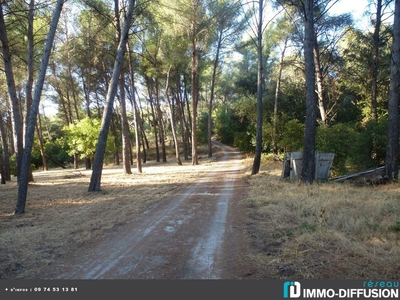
pixel 324 230
pixel 61 215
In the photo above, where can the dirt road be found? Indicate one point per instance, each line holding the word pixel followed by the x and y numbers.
pixel 196 234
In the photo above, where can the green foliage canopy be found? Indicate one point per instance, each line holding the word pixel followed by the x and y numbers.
pixel 82 137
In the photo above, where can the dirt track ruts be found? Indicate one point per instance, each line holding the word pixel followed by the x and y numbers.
pixel 192 235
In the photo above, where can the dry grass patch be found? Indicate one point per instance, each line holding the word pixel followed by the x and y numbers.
pixel 61 215
pixel 324 230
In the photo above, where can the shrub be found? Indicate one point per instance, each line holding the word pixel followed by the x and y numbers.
pixel 370 145
pixel 340 140
pixel 58 151
pixel 202 128
pixel 82 138
pixel 225 126
pixel 293 136
pixel 242 141
pixel 231 129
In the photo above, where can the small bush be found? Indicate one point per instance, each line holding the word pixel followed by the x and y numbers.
pixel 202 128
pixel 224 126
pixel 293 137
pixel 340 140
pixel 370 145
pixel 242 141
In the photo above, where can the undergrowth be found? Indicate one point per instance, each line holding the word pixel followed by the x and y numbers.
pixel 323 230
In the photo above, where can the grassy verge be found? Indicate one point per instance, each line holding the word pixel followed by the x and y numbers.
pixel 324 230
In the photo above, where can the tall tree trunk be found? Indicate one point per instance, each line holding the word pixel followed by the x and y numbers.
pixel 70 75
pixel 29 84
pixel 114 122
pixel 392 146
pixel 258 150
pixel 2 153
pixel 17 127
pixel 136 117
pixel 87 84
pixel 30 67
pixel 6 152
pixel 214 76
pixel 184 124
pixel 375 61
pixel 308 168
pixel 137 136
pixel 160 123
pixel 189 116
pixel 41 146
pixel 126 140
pixel 11 136
pixel 154 122
pixel 155 127
pixel 95 180
pixel 125 134
pixel 319 77
pixel 139 123
pixel 26 158
pixel 277 93
pixel 145 140
pixel 171 116
pixel 195 159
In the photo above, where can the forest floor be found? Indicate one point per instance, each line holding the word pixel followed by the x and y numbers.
pixel 211 221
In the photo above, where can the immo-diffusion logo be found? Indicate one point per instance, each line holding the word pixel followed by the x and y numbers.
pixel 291 289
pixel 368 290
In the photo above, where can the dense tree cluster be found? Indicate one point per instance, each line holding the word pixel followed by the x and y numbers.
pixel 136 80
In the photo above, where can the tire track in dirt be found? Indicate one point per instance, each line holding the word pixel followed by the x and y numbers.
pixel 201 263
pixel 180 238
